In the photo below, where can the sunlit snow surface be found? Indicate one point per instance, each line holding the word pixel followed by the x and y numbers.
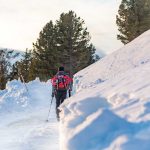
pixel 23 117
pixel 111 107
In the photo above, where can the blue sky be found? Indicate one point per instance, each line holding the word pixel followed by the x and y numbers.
pixel 22 20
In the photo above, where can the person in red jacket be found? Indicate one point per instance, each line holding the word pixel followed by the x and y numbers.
pixel 61 83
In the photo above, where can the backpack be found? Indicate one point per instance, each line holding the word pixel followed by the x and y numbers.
pixel 61 82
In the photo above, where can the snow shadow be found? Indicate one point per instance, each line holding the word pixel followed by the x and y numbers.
pixel 147 110
pixel 82 109
pixel 106 128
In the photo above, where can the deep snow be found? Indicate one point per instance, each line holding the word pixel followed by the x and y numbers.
pixel 111 107
pixel 23 117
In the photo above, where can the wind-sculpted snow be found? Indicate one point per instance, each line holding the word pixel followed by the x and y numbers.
pixel 111 107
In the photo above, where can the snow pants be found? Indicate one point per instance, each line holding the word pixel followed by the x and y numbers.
pixel 60 97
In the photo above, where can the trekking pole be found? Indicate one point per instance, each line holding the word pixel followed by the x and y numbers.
pixel 69 93
pixel 49 109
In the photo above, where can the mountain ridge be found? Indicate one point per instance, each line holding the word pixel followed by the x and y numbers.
pixel 14 55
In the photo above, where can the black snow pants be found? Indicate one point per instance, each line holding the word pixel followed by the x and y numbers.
pixel 60 96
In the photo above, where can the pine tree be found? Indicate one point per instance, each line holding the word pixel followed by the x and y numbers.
pixel 133 19
pixel 14 73
pixel 21 68
pixel 4 68
pixel 32 70
pixel 73 39
pixel 24 65
pixel 65 43
pixel 45 52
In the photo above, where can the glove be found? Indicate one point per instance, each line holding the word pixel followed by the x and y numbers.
pixel 53 94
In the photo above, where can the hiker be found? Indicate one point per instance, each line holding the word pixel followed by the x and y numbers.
pixel 61 84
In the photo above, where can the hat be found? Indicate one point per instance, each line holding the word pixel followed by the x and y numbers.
pixel 61 68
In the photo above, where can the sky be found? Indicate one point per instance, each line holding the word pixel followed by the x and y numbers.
pixel 22 20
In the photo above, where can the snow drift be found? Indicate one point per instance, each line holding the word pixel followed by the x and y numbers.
pixel 111 107
pixel 23 114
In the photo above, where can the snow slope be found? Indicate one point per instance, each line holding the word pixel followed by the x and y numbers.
pixel 23 117
pixel 111 107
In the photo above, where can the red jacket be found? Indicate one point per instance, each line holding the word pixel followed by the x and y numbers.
pixel 67 81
